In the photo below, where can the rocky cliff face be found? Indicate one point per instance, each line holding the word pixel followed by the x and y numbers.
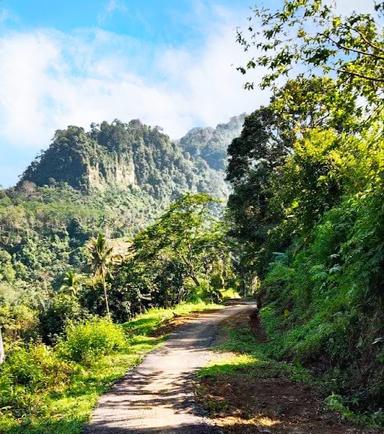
pixel 134 155
pixel 118 172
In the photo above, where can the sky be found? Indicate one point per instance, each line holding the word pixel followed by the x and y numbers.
pixel 170 63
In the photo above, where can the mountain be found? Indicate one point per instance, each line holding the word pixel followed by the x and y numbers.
pixel 133 155
pixel 211 143
pixel 115 179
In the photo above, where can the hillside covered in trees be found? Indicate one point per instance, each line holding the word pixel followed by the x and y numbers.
pixel 306 211
pixel 114 179
pixel 134 155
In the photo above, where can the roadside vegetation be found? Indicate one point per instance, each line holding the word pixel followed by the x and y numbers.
pixel 54 389
pixel 63 353
pixel 303 233
pixel 306 213
pixel 247 389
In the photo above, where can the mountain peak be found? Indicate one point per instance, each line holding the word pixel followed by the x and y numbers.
pixel 134 155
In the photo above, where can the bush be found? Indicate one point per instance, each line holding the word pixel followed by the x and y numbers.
pixel 18 322
pixel 86 341
pixel 205 292
pixel 36 367
pixel 61 308
pixel 27 374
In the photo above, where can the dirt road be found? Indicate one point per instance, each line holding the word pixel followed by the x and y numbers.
pixel 156 397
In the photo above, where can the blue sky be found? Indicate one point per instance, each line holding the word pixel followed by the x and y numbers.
pixel 167 62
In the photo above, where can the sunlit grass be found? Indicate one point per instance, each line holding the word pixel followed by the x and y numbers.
pixel 66 412
pixel 229 293
pixel 147 322
pixel 228 365
pixel 244 355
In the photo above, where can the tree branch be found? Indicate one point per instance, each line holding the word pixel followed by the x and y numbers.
pixel 367 41
pixel 356 74
pixel 355 50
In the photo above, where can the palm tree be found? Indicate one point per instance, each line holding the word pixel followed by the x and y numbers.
pixel 71 282
pixel 2 352
pixel 100 256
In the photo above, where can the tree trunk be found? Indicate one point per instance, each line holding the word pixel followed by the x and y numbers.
pixel 2 353
pixel 106 298
pixel 195 279
pixel 191 272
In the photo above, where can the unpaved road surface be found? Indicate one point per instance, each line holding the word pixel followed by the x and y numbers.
pixel 157 397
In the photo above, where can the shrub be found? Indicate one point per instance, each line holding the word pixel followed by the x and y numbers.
pixel 35 367
pixel 54 318
pixel 27 374
pixel 18 322
pixel 85 341
pixel 205 292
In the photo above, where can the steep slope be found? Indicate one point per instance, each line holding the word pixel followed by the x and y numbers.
pixel 115 178
pixel 122 156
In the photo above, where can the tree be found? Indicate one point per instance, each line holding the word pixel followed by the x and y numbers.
pixel 177 231
pixel 2 353
pixel 71 283
pixel 257 156
pixel 181 253
pixel 100 256
pixel 309 34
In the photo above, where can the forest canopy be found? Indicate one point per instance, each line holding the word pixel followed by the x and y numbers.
pixel 306 211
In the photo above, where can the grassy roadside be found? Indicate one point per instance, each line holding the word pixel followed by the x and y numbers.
pixel 246 390
pixel 65 411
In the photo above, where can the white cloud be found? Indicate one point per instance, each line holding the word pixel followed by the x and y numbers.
pixel 110 8
pixel 49 80
pixel 346 7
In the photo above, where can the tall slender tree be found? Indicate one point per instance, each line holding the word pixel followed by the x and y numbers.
pixel 2 353
pixel 100 257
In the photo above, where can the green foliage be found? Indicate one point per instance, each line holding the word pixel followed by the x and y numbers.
pixel 42 391
pixel 71 283
pixel 173 259
pixel 258 168
pixel 306 211
pixel 99 261
pixel 114 179
pixel 61 309
pixel 27 375
pixel 18 322
pixel 248 357
pixel 326 288
pixel 7 272
pixel 311 35
pixel 122 155
pixel 85 342
pixel 144 324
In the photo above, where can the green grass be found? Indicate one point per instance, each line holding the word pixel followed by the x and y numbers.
pixel 67 411
pixel 149 321
pixel 229 294
pixel 251 358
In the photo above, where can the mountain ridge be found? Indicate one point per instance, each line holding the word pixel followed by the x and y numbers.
pixel 135 155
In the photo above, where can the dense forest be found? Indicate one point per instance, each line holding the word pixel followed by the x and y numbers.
pixel 108 223
pixel 114 179
pixel 307 204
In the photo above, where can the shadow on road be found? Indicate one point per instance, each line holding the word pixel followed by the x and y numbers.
pixel 182 429
pixel 157 396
